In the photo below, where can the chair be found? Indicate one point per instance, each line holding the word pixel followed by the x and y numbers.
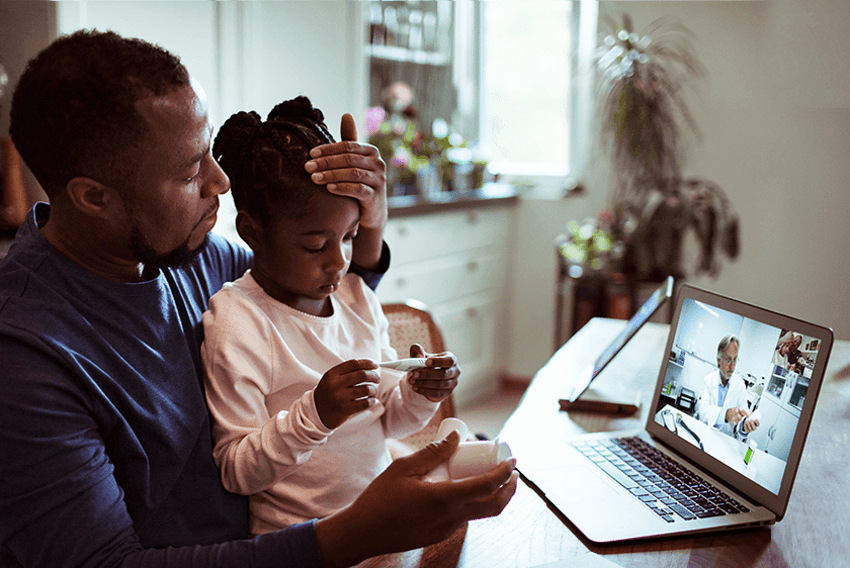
pixel 686 401
pixel 411 322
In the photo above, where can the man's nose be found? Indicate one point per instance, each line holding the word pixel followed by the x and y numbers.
pixel 217 182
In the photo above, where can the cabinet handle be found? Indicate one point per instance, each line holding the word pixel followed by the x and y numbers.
pixel 401 282
pixel 472 217
pixel 402 230
pixel 472 266
pixel 471 313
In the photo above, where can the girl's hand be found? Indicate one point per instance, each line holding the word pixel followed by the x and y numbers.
pixel 439 379
pixel 345 390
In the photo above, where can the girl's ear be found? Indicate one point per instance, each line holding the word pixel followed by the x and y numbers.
pixel 249 230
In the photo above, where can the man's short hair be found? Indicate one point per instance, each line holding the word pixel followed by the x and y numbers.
pixel 724 344
pixel 74 110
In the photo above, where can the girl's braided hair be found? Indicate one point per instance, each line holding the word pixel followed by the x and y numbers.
pixel 265 160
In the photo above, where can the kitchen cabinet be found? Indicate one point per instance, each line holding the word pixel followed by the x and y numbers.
pixel 780 408
pixel 456 262
pixel 421 68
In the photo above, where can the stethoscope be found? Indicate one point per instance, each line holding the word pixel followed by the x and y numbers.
pixel 673 424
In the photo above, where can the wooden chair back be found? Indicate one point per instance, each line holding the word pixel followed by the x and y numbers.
pixel 411 322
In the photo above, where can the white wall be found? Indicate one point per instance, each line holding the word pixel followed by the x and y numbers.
pixel 247 55
pixel 775 120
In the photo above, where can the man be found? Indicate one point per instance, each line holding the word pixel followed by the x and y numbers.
pixel 780 354
pixel 787 351
pixel 722 401
pixel 105 437
pixel 794 354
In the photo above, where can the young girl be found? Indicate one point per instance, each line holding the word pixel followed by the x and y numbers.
pixel 300 408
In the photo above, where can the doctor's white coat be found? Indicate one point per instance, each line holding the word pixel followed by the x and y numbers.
pixel 708 408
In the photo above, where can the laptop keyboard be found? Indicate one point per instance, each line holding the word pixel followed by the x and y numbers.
pixel 667 488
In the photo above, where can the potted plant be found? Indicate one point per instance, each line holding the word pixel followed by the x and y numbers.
pixel 643 116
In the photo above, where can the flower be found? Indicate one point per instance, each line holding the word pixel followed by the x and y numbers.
pixel 398 96
pixel 374 117
pixel 400 158
pixel 404 146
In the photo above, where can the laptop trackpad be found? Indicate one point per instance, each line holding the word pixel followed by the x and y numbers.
pixel 578 484
pixel 596 504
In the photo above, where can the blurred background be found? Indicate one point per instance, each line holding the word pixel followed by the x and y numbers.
pixel 488 115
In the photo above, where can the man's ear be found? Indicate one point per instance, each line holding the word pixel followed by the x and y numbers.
pixel 249 230
pixel 93 198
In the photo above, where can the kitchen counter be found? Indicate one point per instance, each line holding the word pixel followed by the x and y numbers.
pixel 489 194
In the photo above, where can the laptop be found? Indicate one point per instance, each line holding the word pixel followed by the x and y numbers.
pixel 577 394
pixel 686 471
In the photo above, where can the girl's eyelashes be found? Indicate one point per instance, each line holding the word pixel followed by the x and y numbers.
pixel 316 248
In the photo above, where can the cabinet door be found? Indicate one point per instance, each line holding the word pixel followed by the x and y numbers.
pixel 413 239
pixel 775 416
pixel 455 263
pixel 443 280
pixel 786 426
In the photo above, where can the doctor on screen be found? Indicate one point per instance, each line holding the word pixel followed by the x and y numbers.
pixel 722 401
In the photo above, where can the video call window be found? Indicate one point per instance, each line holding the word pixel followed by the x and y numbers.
pixel 767 377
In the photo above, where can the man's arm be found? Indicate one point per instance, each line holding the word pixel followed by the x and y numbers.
pixel 739 407
pixel 356 170
pixel 61 504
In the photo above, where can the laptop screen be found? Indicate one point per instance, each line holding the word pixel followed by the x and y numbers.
pixel 735 384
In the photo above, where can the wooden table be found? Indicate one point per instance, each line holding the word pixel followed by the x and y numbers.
pixel 815 531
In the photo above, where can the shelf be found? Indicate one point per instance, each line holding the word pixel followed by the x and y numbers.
pixel 402 54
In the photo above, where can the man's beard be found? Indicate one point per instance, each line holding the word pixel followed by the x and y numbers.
pixel 181 257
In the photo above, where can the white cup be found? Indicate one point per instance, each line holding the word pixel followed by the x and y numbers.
pixel 476 458
pixel 449 424
pixel 470 458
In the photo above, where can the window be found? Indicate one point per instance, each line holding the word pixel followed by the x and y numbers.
pixel 535 95
pixel 509 76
